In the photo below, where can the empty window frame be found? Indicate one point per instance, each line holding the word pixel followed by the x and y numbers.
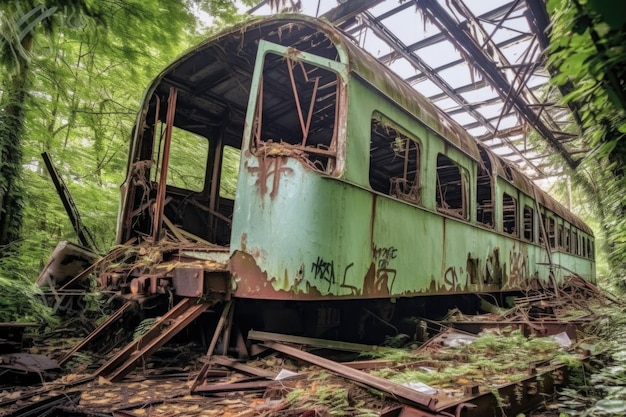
pixel 543 229
pixel 188 158
pixel 551 231
pixel 451 189
pixel 484 190
pixel 394 162
pixel 529 223
pixel 229 172
pixel 297 112
pixel 566 239
pixel 559 234
pixel 575 245
pixel 509 214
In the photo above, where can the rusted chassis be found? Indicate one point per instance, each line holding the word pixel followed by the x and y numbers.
pixel 350 185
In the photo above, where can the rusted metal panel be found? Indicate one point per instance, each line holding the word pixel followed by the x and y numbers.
pixel 67 261
pixel 188 280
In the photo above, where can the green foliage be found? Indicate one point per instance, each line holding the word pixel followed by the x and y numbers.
pixel 598 387
pixel 588 51
pixel 71 86
pixel 20 300
pixel 492 358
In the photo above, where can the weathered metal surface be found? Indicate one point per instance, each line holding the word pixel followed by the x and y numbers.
pixel 306 224
pixel 27 362
pixel 66 262
pixel 160 333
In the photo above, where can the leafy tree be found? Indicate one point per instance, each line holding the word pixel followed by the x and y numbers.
pixel 587 48
pixel 72 75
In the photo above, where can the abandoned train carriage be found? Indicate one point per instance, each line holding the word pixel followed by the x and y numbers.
pixel 350 184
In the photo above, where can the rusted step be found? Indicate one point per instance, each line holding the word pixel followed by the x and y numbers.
pixel 98 330
pixel 159 333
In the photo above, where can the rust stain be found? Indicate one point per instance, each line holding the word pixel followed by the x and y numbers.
pixel 269 166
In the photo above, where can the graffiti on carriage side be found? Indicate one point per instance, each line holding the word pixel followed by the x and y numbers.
pixel 324 270
pixel 450 277
pixel 384 255
pixel 519 267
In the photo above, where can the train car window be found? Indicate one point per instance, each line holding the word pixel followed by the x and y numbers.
pixel 451 189
pixel 529 223
pixel 584 246
pixel 550 231
pixel 484 190
pixel 580 244
pixel 592 253
pixel 297 112
pixel 559 235
pixel 189 154
pixel 575 249
pixel 394 162
pixel 509 215
pixel 230 171
pixel 542 218
pixel 566 239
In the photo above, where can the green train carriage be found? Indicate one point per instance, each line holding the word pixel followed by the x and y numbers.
pixel 350 185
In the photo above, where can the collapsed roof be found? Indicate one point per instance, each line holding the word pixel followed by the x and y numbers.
pixel 482 63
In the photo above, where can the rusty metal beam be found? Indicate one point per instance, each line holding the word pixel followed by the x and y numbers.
pixel 492 14
pixel 348 10
pixel 85 237
pixel 160 333
pixel 98 330
pixel 488 68
pixel 393 390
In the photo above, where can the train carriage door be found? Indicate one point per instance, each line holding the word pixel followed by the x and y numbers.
pixel 295 107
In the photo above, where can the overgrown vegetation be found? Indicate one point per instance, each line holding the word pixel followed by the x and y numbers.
pixel 588 57
pixel 495 357
pixel 599 387
pixel 71 77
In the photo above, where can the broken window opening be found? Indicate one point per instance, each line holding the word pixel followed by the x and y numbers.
pixel 451 188
pixel 529 223
pixel 575 246
pixel 509 214
pixel 559 236
pixel 566 239
pixel 550 231
pixel 484 190
pixel 297 112
pixel 189 155
pixel 394 162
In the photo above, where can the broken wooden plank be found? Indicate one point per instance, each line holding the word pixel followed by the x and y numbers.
pixel 371 364
pixel 309 341
pixel 246 369
pixel 236 386
pixel 393 390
